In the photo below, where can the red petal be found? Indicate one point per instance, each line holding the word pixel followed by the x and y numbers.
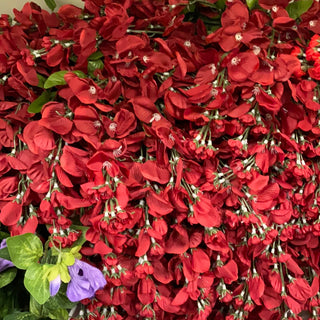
pixel 146 291
pixel 151 171
pixel 143 244
pixel 200 261
pixel 181 297
pixel 10 213
pixel 178 241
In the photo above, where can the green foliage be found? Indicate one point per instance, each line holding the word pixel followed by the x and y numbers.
pixel 54 308
pixel 82 239
pixel 94 65
pixel 4 235
pixel 38 103
pixel 96 55
pixel 7 276
pixel 24 250
pixel 21 316
pixel 251 3
pixel 13 297
pixel 51 4
pixel 42 80
pixel 4 254
pixel 221 4
pixel 297 8
pixel 57 78
pixel 36 282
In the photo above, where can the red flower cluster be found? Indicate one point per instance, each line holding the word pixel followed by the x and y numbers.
pixel 191 157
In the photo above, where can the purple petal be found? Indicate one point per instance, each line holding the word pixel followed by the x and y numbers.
pixel 85 281
pixel 55 286
pixel 4 264
pixel 3 244
pixel 77 291
pixel 94 275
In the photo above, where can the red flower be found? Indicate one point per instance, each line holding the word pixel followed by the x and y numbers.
pixel 178 241
pixel 39 139
pixel 53 118
pixel 152 171
pixel 206 214
pixel 85 90
pixel 10 213
pixel 146 291
pixel 228 272
pixel 242 65
pixel 299 289
pixel 123 123
pixel 256 288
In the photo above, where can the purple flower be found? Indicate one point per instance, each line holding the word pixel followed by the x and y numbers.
pixel 55 286
pixel 4 264
pixel 85 281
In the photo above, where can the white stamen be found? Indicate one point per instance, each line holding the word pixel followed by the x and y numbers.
pixel 256 90
pixel 145 59
pixel 92 90
pixel 155 117
pixel 213 68
pixel 107 165
pixel 312 23
pixel 187 44
pixel 117 152
pixel 214 92
pixel 97 124
pixel 275 8
pixel 113 126
pixel 238 36
pixel 235 61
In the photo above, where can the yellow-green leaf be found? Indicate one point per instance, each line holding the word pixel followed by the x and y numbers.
pixel 36 282
pixel 24 250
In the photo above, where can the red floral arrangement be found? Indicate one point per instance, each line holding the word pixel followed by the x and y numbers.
pixel 174 146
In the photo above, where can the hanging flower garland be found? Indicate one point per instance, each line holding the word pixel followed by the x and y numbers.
pixel 159 159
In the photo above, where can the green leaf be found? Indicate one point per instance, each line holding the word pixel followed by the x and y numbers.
pixel 36 282
pixel 21 316
pixel 61 300
pixel 94 65
pixel 80 74
pixel 221 4
pixel 4 235
pixel 7 276
pixel 297 8
pixel 64 273
pixel 57 78
pixel 82 239
pixel 24 250
pixel 37 104
pixel 35 308
pixel 251 3
pixel 96 55
pixel 42 80
pixel 51 4
pixel 4 254
pixel 68 258
pixel 52 309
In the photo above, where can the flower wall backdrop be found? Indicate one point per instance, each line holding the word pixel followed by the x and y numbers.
pixel 160 160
